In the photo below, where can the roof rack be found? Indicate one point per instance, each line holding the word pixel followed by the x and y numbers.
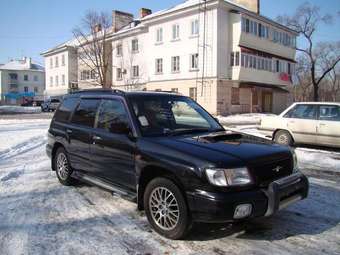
pixel 83 91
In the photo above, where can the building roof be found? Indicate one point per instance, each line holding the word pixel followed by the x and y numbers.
pixel 22 64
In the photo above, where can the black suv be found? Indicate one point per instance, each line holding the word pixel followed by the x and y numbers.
pixel 168 154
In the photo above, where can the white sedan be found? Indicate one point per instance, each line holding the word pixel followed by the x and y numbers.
pixel 305 123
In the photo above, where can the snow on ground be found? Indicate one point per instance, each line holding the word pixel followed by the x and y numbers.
pixel 40 216
pixel 242 119
pixel 13 109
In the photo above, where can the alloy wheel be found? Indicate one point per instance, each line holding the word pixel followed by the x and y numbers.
pixel 164 208
pixel 62 166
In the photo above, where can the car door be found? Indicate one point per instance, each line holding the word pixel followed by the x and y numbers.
pixel 302 122
pixel 329 125
pixel 79 133
pixel 112 151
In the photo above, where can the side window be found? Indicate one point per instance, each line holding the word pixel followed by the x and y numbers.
pixel 113 117
pixel 65 109
pixel 86 112
pixel 329 113
pixel 303 112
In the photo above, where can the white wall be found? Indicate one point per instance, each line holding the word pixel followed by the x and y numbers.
pixel 69 70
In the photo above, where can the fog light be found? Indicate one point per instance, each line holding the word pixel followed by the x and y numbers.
pixel 242 211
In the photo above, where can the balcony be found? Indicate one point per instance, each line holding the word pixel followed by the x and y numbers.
pixel 244 74
pixel 266 45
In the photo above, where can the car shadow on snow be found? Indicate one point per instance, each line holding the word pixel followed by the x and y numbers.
pixel 303 218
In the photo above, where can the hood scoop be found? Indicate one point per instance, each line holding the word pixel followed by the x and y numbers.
pixel 226 137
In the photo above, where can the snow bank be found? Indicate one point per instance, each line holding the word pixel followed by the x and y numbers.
pixel 12 109
pixel 242 119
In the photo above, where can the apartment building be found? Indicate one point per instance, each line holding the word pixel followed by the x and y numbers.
pixel 223 54
pixel 21 81
pixel 61 68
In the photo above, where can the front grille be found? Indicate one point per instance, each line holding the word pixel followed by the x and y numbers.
pixel 267 172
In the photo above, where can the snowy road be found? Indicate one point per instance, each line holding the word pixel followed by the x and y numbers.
pixel 39 216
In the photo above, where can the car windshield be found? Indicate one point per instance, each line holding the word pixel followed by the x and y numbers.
pixel 171 115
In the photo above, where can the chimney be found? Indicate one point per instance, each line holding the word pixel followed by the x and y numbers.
pixel 251 5
pixel 143 12
pixel 120 19
pixel 97 28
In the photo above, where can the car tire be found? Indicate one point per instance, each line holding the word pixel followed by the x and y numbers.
pixel 62 167
pixel 284 138
pixel 169 217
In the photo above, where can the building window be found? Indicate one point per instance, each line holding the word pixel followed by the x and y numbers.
pixel 63 60
pixel 134 45
pixel 56 62
pixel 119 74
pixel 193 93
pixel 63 79
pixel 159 35
pixel 26 89
pixel 85 75
pixel 119 50
pixel 51 81
pixel 175 64
pixel 36 90
pixel 93 74
pixel 195 27
pixel 159 66
pixel 235 96
pixel 194 61
pixel 35 77
pixel 135 71
pixel 175 32
pixel 56 80
pixel 26 77
pixel 51 63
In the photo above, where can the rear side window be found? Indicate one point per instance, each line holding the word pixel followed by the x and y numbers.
pixel 85 113
pixel 329 113
pixel 66 108
pixel 303 112
pixel 112 116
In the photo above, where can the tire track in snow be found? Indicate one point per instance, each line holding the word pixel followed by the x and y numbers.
pixel 23 147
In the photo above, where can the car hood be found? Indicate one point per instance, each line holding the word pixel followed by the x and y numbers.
pixel 249 149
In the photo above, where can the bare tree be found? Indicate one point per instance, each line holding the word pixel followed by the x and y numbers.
pixel 93 50
pixel 334 77
pixel 302 90
pixel 305 21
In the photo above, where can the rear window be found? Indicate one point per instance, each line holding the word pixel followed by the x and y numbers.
pixel 55 101
pixel 66 108
pixel 86 112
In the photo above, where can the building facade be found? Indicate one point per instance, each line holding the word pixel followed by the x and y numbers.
pixel 61 64
pixel 223 54
pixel 21 81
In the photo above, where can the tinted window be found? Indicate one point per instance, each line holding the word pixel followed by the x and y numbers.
pixel 329 112
pixel 302 112
pixel 86 112
pixel 55 101
pixel 113 117
pixel 66 108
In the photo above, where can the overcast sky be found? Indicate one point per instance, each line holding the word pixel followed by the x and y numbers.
pixel 29 27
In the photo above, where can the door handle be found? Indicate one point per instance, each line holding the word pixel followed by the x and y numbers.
pixel 322 124
pixel 69 131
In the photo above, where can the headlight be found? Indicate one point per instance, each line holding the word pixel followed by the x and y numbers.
pixel 229 177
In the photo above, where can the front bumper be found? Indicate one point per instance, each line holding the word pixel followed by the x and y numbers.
pixel 220 207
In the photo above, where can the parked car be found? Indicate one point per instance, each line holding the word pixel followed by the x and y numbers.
pixel 306 123
pixel 168 154
pixel 50 105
